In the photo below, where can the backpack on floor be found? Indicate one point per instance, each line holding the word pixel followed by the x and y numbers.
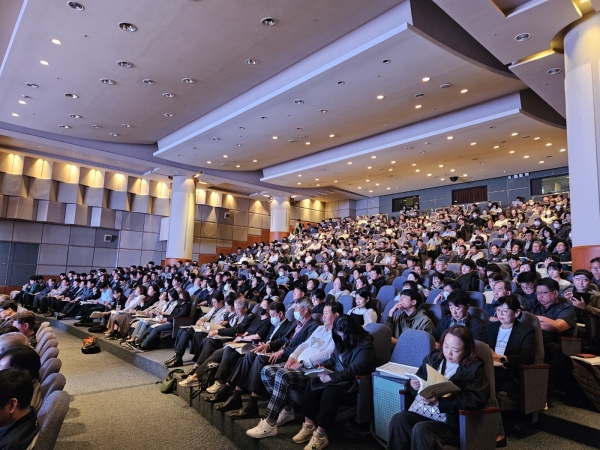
pixel 208 375
pixel 169 382
pixel 90 346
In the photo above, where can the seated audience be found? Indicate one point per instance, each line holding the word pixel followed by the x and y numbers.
pixel 458 302
pixel 405 314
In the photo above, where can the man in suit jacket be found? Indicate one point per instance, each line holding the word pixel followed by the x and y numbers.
pixel 247 371
pixel 458 302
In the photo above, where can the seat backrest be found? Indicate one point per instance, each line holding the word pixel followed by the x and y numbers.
pixel 54 382
pixel 386 294
pixel 454 267
pixel 377 307
pixel 432 295
pixel 41 327
pixel 382 340
pixel 43 332
pixel 45 338
pixel 433 311
pixel 480 314
pixel 49 352
pixel 485 353
pixel 398 282
pixel 412 347
pixel 289 297
pixel 386 312
pixel 50 419
pixel 347 301
pixel 53 365
pixel 328 287
pixel 47 345
pixel 476 299
pixel 532 320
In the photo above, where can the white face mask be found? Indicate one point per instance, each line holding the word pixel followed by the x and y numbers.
pixel 281 274
pixel 556 226
pixel 537 223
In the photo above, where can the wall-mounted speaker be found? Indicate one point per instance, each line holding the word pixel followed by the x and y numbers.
pixel 108 237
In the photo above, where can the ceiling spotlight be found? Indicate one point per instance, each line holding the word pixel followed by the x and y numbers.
pixel 536 138
pixel 496 146
pixel 349 162
pixel 511 152
pixel 107 81
pixel 554 71
pixel 71 95
pixel 464 91
pixel 418 170
pixel 268 21
pixel 251 62
pixel 208 162
pixel 389 170
pixel 299 184
pixel 450 138
pixel 168 114
pixel 64 126
pixel 473 143
pixel 541 162
pixel 332 135
pixel 367 180
pixel 526 156
pixel 464 175
pixel 369 167
pixel 514 134
pixel 380 97
pixel 323 111
pixel 299 174
pixel 299 101
pixel 307 143
pixel 15 115
pixel 418 106
pixel 113 134
pixel 360 187
pixel 443 179
pixel 76 6
pixel 238 166
pixel 428 174
pixel 422 152
pixel 388 188
pixel 255 160
pixel 393 162
pixel 341 82
pixel 264 117
pixel 239 145
pixel 125 125
pixel 125 64
pixel 168 95
pixel 441 165
pixel 148 81
pixel 22 102
pixel 452 170
pixel 426 79
pixel 188 80
pixel 548 144
pixel 563 149
pixel 242 128
pixel 225 156
pixel 386 61
pixel 374 157
pixel 127 27
pixel 414 164
pixel 74 116
pixel 44 63
pixel 32 85
pixel 95 126
pixel 56 41
pixel 522 37
pixel 370 191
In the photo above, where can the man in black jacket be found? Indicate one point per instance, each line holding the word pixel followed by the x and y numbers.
pixel 18 425
pixel 459 315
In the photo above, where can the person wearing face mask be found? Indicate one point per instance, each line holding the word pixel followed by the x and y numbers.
pixel 562 231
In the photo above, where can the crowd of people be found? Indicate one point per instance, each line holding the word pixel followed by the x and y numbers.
pixel 268 313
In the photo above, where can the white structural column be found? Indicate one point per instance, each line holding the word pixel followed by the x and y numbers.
pixel 582 89
pixel 181 219
pixel 280 218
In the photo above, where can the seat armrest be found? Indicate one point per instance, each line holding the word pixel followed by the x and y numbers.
pixel 533 387
pixel 478 428
pixel 179 322
pixel 570 345
pixel 473 412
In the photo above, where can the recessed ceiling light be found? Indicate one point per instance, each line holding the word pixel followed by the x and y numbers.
pixel 299 184
pixel 548 144
pixel 127 27
pixel 376 184
pixel 541 162
pixel 225 156
pixel 238 166
pixel 367 180
pixel 208 162
pixel 370 191
pixel 422 152
pixel 316 179
pixel 393 162
pixel 389 170
pixel 388 188
pixel 553 71
pixel 464 91
pixel 563 149
pixel 464 175
pixel 255 160
pixel 428 174
pixel 450 138
pixel 360 187
pixel 44 63
pixel 56 41
pixel 95 126
pixel 168 95
pixel 536 138
pixel 369 167
pixel 332 135
pixel 180 155
pixel 452 170
pixel 188 80
pixel 349 162
pixel 64 126
pixel 216 138
pixel 113 134
pixel 268 21
pixel 341 82
pixel 148 81
pixel 71 95
pixel 318 184
pixel 125 64
pixel 251 62
pixel 274 137
pixel 514 134
pixel 299 101
pixel 374 157
pixel 299 174
pixel 15 115
pixel 32 85
pixel 238 145
pixel 74 116
pixel 307 143
pixel 443 179
pixel 125 125
pixel 526 156
pixel 522 37
pixel 496 146
pixel 380 97
pixel 418 170
pixel 441 165
pixel 168 114
pixel 76 6
pixel 264 117
pixel 22 102
pixel 107 81
pixel 335 181
pixel 418 106
pixel 473 143
pixel 323 111
pixel 414 164
pixel 426 79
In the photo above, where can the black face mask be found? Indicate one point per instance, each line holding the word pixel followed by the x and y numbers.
pixel 262 311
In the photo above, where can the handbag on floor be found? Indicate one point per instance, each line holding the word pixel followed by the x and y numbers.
pixel 169 382
pixel 90 346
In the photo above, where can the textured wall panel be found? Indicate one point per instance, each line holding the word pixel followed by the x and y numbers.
pixel 266 222
pixel 225 232
pixel 80 256
pixel 129 257
pixel 240 233
pixel 228 201
pixel 41 189
pixel 241 218
pixel 255 220
pixel 6 230
pixel 55 234
pixel 99 238
pixel 77 215
pixel 141 204
pixel 103 217
pixel 208 246
pixel 105 257
pixel 256 207
pixel 28 232
pixel 119 200
pixel 14 185
pixel 208 214
pixel 93 196
pixel 81 236
pixel 197 229
pixel 214 199
pixel 254 232
pixel 21 208
pixel 70 193
pixel 48 211
pixel 147 256
pixel 224 216
pixel 51 270
pixel 150 242
pixel 224 246
pixel 133 221
pixel 196 246
pixel 130 240
pixel 160 206
pixel 242 204
pixel 304 215
pixel 209 230
pixel 152 223
pixel 53 255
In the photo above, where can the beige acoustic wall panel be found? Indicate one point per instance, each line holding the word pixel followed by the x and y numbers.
pixel 241 218
pixel 224 244
pixel 240 233
pixel 332 206
pixel 140 203
pixel 48 211
pixel 208 246
pixel 197 229
pixel 77 215
pixel 228 201
pixel 242 204
pixel 103 217
pixel 209 230
pixel 41 189
pixel 93 196
pixel 3 205
pixel 160 206
pixel 266 222
pixel 164 229
pixel 304 214
pixel 214 199
pixel 225 232
pixel 14 185
pixel 254 231
pixel 70 193
pixel 255 220
pixel 119 200
pixel 208 214
pixel 256 207
pixel 294 214
pixel 21 208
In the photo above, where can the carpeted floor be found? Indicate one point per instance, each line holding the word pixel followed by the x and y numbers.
pixel 115 405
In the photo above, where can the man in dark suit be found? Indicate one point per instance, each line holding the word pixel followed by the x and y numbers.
pixel 510 241
pixel 458 302
pixel 247 371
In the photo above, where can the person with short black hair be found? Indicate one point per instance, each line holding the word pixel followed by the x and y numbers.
pixel 363 312
pixel 458 302
pixel 25 322
pixel 23 357
pixel 18 422
pixel 405 314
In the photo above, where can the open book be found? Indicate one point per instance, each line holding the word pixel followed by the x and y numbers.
pixel 436 385
pixel 206 327
pixel 396 370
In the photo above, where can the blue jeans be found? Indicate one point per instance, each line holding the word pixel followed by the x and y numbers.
pixel 154 334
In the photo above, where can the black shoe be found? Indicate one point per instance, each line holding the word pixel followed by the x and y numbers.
pixel 178 362
pixel 248 411
pixel 170 360
pixel 221 395
pixel 235 402
pixel 113 336
pixel 502 443
pixel 60 316
pixel 81 324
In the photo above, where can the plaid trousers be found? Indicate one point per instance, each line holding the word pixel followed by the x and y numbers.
pixel 278 381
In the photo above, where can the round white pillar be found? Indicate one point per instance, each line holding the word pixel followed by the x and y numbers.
pixel 181 220
pixel 280 218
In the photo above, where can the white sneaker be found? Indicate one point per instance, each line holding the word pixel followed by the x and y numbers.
pixel 285 416
pixel 305 433
pixel 214 388
pixel 262 430
pixel 317 442
pixel 190 382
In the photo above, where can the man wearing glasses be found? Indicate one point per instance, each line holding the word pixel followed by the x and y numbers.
pixel 557 318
